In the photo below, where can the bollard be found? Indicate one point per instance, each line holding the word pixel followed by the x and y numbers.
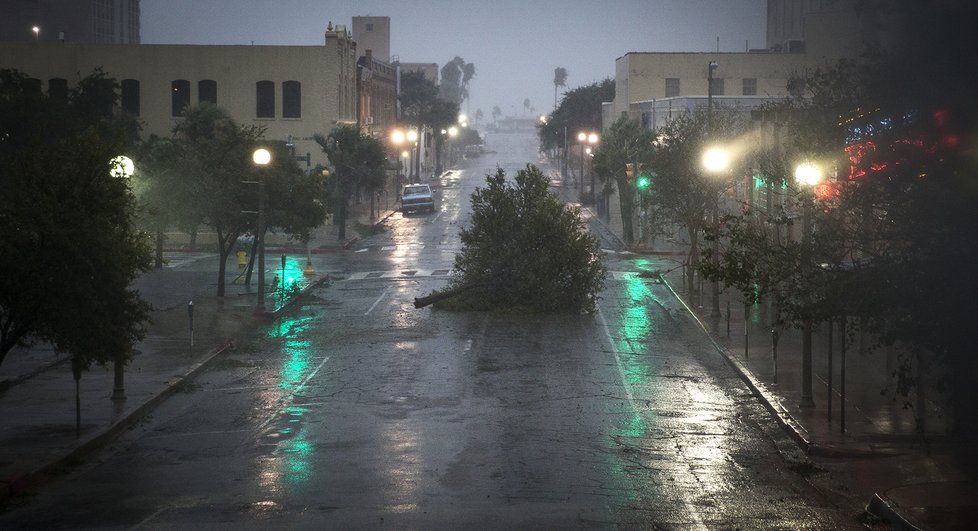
pixel 190 314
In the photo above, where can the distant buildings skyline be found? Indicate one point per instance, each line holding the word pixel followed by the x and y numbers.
pixel 78 21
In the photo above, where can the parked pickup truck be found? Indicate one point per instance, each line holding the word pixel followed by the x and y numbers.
pixel 417 197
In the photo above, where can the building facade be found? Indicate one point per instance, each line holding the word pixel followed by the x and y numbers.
pixel 801 35
pixel 373 34
pixel 294 92
pixel 75 21
pixel 376 94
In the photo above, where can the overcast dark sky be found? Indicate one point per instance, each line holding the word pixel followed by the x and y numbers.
pixel 514 44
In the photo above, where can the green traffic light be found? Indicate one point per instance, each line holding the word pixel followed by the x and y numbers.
pixel 643 182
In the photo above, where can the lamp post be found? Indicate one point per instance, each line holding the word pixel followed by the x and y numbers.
pixel 412 137
pixel 709 91
pixel 121 167
pixel 397 138
pixel 261 158
pixel 37 33
pixel 807 175
pixel 581 138
pixel 716 161
pixel 592 138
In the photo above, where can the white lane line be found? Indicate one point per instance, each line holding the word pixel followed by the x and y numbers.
pixel 376 302
pixel 693 511
pixel 288 398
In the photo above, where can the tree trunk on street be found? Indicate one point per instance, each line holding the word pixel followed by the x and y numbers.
pixel 421 302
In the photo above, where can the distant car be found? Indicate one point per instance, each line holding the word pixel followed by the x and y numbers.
pixel 417 197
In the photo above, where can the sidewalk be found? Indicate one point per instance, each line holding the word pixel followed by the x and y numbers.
pixel 37 391
pixel 905 480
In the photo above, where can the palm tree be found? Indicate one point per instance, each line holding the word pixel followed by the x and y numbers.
pixel 560 80
pixel 496 113
pixel 526 104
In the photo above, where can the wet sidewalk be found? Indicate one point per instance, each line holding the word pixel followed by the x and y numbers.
pixel 38 437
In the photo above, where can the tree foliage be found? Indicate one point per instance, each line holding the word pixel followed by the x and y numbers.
pixel 895 226
pixel 531 250
pixel 69 247
pixel 455 77
pixel 625 142
pixel 682 191
pixel 357 160
pixel 579 110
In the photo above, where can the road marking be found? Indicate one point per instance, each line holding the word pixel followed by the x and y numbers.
pixel 376 302
pixel 693 512
pixel 444 272
pixel 290 397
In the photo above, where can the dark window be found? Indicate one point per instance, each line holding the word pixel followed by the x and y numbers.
pixel 750 86
pixel 130 96
pixel 207 91
pixel 265 99
pixel 672 87
pixel 58 89
pixel 180 97
pixel 716 86
pixel 292 99
pixel 370 27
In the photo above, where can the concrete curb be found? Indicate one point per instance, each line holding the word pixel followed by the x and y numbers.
pixel 884 509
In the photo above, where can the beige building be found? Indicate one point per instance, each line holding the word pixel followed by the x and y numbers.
pixel 802 35
pixel 293 92
pixel 373 34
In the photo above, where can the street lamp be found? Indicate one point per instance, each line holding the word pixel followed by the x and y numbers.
pixel 590 138
pixel 412 137
pixel 37 33
pixel 120 167
pixel 261 158
pixel 716 161
pixel 808 175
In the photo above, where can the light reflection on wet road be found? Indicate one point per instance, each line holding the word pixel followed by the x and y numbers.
pixel 359 411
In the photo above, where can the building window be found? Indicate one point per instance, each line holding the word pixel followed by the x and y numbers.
pixel 672 87
pixel 750 86
pixel 179 97
pixel 58 89
pixel 207 91
pixel 716 86
pixel 130 96
pixel 265 99
pixel 292 99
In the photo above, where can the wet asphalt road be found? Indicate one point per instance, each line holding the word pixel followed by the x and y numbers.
pixel 359 411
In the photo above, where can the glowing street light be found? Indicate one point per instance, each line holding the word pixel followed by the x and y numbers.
pixel 37 33
pixel 716 160
pixel 261 157
pixel 120 167
pixel 808 175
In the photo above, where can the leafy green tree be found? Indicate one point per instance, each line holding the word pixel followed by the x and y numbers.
pixel 165 197
pixel 579 110
pixel 69 247
pixel 625 142
pixel 525 250
pixel 357 160
pixel 682 190
pixel 418 95
pixel 893 225
pixel 217 158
